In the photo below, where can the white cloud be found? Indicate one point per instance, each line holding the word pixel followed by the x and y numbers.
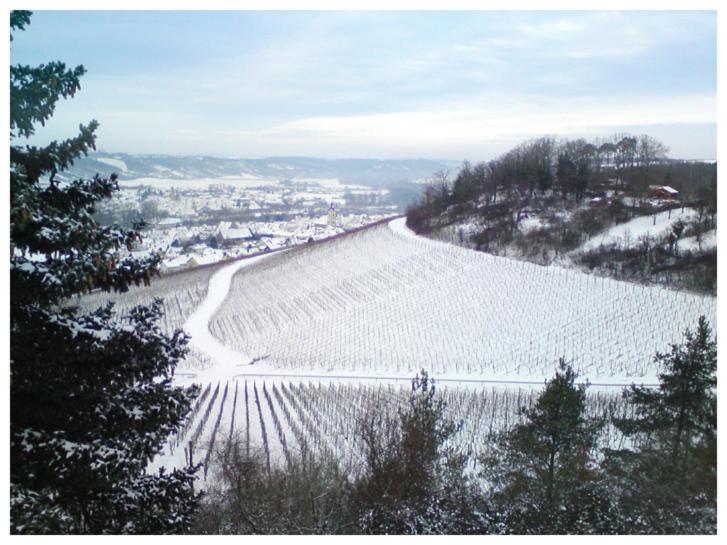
pixel 387 84
pixel 457 126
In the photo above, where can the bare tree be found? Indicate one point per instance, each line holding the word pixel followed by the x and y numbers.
pixel 650 151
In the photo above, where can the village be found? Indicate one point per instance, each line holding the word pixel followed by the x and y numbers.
pixel 198 222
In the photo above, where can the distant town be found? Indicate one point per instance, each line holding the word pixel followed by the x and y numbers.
pixel 196 222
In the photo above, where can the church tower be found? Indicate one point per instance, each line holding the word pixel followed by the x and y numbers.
pixel 332 214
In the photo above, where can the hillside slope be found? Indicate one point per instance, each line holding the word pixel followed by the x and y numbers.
pixel 386 302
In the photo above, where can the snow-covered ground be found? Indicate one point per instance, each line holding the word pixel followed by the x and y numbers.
pixel 358 316
pixel 709 240
pixel 283 417
pixel 225 361
pixel 386 302
pixel 628 234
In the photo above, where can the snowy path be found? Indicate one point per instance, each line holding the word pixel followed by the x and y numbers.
pixel 197 326
pixel 399 227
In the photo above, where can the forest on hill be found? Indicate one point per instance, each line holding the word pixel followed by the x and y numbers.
pixel 545 199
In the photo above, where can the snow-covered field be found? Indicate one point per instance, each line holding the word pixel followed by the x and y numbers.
pixel 292 348
pixel 200 183
pixel 181 293
pixel 709 240
pixel 628 234
pixel 384 302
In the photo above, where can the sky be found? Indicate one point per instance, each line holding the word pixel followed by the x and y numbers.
pixel 439 85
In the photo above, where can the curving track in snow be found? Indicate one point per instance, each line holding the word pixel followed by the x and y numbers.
pixel 225 360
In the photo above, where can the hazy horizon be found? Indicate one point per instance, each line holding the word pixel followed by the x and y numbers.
pixel 444 86
pixel 448 160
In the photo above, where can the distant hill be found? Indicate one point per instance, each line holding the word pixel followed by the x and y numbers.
pixel 371 172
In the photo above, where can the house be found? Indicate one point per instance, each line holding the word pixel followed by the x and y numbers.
pixel 229 234
pixel 663 192
pixel 177 264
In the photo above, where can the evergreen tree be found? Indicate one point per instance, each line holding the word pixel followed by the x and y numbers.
pixel 91 399
pixel 414 483
pixel 669 475
pixel 542 472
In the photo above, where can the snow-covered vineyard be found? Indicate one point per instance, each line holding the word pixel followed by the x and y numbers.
pixel 181 293
pixel 286 419
pixel 385 302
pixel 292 348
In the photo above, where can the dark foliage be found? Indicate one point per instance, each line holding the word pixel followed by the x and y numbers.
pixel 670 473
pixel 306 497
pixel 413 482
pixel 543 474
pixel 91 399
